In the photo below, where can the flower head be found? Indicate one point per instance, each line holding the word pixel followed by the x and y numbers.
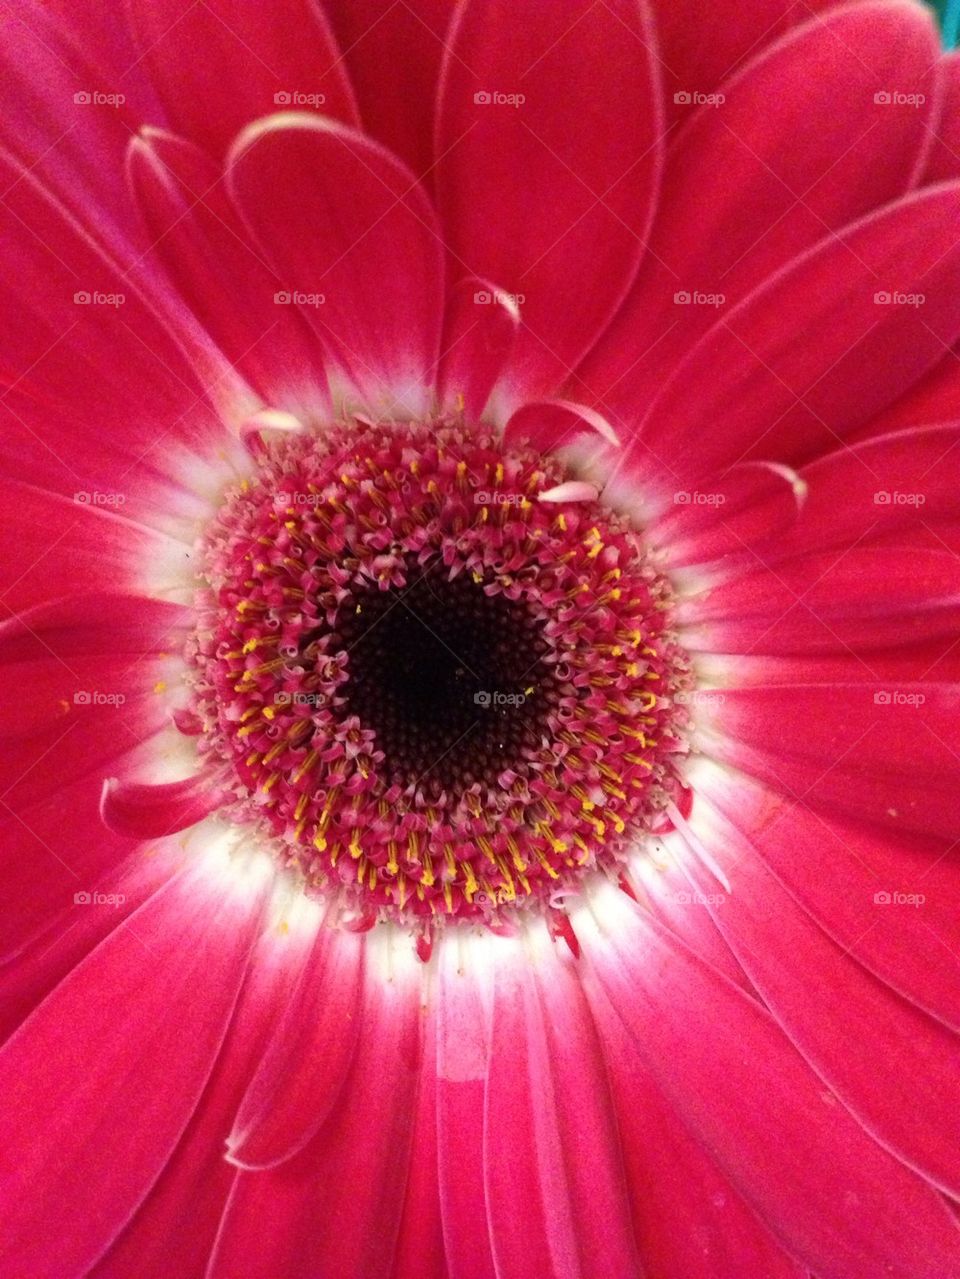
pixel 437 686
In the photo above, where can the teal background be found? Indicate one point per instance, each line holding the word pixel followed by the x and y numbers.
pixel 949 12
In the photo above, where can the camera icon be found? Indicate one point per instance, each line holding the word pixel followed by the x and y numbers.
pixel 482 699
pixel 482 98
pixel 283 298
pixel 881 498
pixel 682 98
pixel 283 699
pixel 882 99
pixel 82 298
pixel 882 898
pixel 882 699
pixel 482 298
pixel 81 698
pixel 682 298
pixel 882 298
pixel 681 498
pixel 282 98
pixel 82 899
pixel 82 98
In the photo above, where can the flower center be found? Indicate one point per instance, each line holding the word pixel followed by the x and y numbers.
pixel 432 691
pixel 450 679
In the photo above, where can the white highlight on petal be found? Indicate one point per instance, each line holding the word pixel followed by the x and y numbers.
pixel 696 845
pixel 266 420
pixel 291 915
pixel 390 956
pixel 571 491
pixel 228 860
pixel 605 911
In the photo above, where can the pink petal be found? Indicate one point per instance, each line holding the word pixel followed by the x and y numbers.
pixel 819 348
pixel 847 747
pixel 95 548
pixel 835 868
pixel 894 1067
pixel 851 602
pixel 340 220
pixel 554 1183
pixel 55 58
pixel 82 920
pixel 206 251
pixel 840 1203
pixel 87 661
pixel 375 38
pixel 42 866
pixel 702 47
pixel 145 810
pixel 553 424
pixel 664 890
pixel 420 1251
pixel 882 488
pixel 461 1062
pixel 84 657
pixel 688 1218
pixel 529 1198
pixel 934 398
pixel 299 1079
pixel 586 1123
pixel 91 334
pixel 349 1174
pixel 479 332
pixel 943 163
pixel 256 59
pixel 740 199
pixel 196 1181
pixel 133 1031
pixel 740 515
pixel 529 191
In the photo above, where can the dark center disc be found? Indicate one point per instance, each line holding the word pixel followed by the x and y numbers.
pixel 449 678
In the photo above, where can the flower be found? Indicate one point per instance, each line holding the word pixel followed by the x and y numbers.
pixel 480 715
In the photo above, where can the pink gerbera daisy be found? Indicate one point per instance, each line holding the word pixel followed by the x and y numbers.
pixel 480 706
